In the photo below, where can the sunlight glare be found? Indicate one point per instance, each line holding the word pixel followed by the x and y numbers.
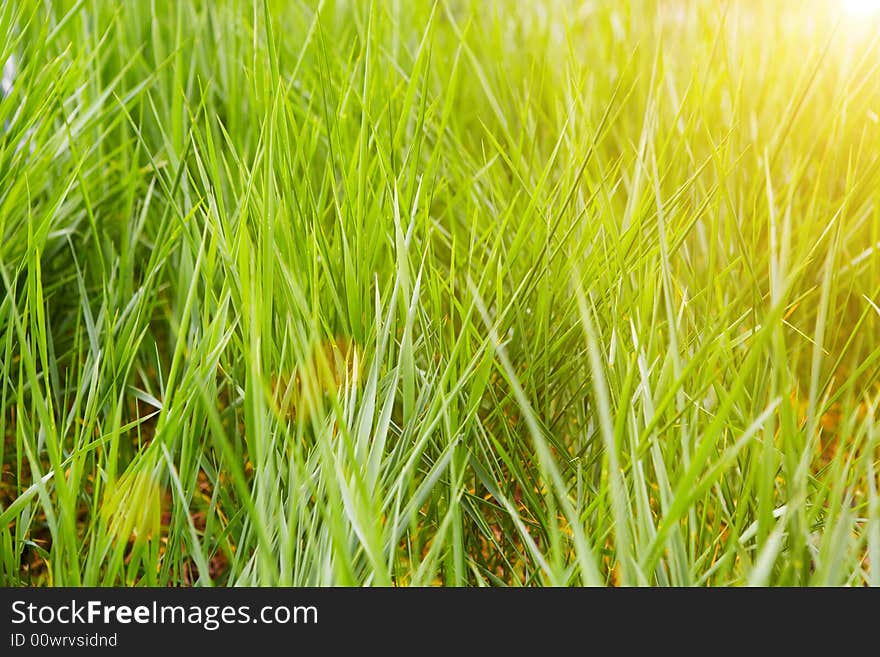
pixel 861 8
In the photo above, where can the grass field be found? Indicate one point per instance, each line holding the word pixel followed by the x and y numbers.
pixel 467 293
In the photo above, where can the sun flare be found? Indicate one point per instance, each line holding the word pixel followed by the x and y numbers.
pixel 862 8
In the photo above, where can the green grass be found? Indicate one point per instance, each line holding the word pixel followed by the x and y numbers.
pixel 466 293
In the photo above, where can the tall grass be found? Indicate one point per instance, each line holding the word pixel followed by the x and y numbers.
pixel 461 293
